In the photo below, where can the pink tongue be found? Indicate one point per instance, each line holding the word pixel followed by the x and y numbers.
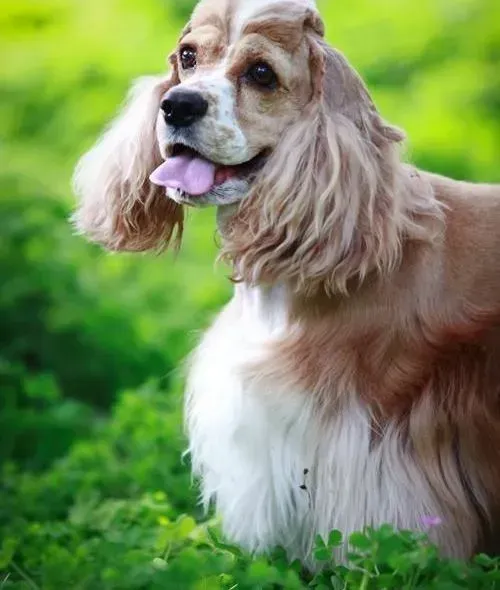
pixel 191 174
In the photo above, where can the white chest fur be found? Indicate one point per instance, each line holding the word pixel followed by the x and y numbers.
pixel 252 442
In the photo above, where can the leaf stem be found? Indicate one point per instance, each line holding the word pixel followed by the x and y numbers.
pixel 24 576
pixel 364 581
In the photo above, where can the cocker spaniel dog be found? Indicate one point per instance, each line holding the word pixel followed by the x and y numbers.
pixel 354 378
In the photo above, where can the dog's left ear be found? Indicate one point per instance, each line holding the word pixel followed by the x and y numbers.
pixel 118 205
pixel 329 207
pixel 340 88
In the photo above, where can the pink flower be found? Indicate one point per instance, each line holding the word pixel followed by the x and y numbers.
pixel 430 522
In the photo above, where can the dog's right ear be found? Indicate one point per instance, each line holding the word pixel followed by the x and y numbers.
pixel 118 205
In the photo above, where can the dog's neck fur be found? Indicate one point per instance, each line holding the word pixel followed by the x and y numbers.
pixel 419 221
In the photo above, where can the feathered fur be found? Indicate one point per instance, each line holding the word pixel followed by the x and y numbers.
pixel 355 202
pixel 119 207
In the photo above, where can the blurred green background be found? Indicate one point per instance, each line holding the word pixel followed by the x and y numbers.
pixel 92 344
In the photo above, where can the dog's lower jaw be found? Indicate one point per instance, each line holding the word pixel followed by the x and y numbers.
pixel 231 193
pixel 277 473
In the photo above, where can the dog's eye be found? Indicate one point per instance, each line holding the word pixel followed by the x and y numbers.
pixel 188 57
pixel 262 75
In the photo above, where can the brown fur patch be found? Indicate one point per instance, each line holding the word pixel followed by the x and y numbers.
pixel 285 24
pixel 422 350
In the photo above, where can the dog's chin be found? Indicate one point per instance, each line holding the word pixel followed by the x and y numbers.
pixel 229 193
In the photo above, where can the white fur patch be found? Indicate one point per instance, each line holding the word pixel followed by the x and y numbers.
pixel 252 441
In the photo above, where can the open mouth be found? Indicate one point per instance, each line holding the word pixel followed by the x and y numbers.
pixel 189 172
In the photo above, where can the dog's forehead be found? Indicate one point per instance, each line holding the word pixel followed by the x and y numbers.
pixel 245 10
pixel 233 15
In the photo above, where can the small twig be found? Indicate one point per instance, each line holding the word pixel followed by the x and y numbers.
pixel 364 581
pixel 24 576
pixel 166 553
pixel 4 581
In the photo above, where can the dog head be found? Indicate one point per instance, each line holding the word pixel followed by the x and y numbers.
pixel 244 77
pixel 259 113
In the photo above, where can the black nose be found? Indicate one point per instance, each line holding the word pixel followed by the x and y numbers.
pixel 183 107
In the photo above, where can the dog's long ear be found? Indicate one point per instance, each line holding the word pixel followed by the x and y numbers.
pixel 331 203
pixel 118 206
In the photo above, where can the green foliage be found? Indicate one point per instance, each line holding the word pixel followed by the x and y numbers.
pixel 94 488
pixel 89 522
